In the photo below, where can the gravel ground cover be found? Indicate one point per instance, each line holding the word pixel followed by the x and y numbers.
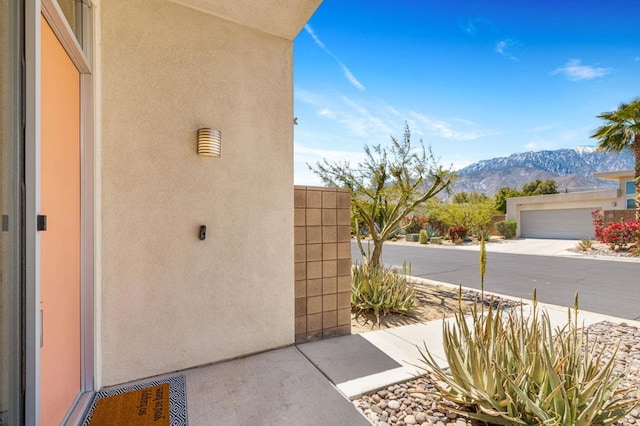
pixel 413 403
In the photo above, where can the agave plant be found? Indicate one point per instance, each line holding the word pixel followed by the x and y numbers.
pixel 511 369
pixel 585 244
pixel 431 231
pixel 381 290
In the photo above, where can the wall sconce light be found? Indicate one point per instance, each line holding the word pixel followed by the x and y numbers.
pixel 209 142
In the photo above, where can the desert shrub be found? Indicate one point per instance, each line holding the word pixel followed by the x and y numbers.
pixel 415 223
pixel 432 231
pixel 472 215
pixel 508 369
pixel 585 244
pixel 598 224
pixel 435 240
pixel 458 232
pixel 621 234
pixel 423 238
pixel 507 228
pixel 381 290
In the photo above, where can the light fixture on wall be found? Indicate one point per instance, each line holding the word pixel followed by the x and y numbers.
pixel 209 142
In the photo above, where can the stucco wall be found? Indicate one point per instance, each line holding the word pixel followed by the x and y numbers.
pixel 594 200
pixel 169 301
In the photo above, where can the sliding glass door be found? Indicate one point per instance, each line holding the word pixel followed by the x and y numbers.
pixel 11 136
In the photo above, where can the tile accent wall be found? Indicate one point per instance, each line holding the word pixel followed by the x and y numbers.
pixel 322 262
pixel 613 216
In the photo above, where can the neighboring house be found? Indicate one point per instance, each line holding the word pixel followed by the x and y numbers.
pixel 104 277
pixel 568 215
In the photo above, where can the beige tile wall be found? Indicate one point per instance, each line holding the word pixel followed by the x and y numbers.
pixel 613 216
pixel 322 262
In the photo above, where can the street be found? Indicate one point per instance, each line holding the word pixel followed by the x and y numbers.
pixel 606 287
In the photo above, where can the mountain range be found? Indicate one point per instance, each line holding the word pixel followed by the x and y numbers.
pixel 572 169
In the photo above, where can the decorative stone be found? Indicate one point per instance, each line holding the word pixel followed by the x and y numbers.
pixel 408 404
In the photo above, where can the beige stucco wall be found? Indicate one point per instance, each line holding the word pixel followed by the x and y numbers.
pixel 169 301
pixel 602 199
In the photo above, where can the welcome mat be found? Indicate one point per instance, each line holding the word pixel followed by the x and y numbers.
pixel 159 403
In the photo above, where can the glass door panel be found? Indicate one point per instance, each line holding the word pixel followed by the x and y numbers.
pixel 10 225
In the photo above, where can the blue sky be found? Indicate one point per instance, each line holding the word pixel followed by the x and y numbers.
pixel 474 79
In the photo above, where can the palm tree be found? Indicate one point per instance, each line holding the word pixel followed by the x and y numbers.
pixel 622 131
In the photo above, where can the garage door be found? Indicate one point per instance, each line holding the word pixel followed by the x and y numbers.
pixel 560 224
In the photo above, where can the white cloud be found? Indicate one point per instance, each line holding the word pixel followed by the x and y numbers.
pixel 575 71
pixel 500 46
pixel 311 155
pixel 445 129
pixel 326 112
pixel 347 72
pixel 350 77
pixel 392 110
pixel 505 47
pixel 315 38
pixel 473 25
pixel 305 156
pixel 470 27
pixel 363 123
pixel 531 146
pixel 309 98
pixel 376 121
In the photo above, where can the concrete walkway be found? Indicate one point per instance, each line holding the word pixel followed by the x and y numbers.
pixel 527 246
pixel 403 345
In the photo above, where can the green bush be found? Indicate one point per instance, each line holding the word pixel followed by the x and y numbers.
pixel 514 370
pixel 507 228
pixel 381 291
pixel 482 234
pixel 423 238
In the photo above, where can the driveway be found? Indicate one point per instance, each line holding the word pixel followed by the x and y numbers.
pixel 604 286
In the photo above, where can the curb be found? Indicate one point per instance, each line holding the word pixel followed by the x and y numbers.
pixel 529 302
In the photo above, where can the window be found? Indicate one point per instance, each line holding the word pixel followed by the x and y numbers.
pixel 631 187
pixel 72 10
pixel 631 203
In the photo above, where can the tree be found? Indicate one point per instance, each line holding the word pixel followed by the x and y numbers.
pixel 622 131
pixel 386 187
pixel 501 198
pixel 474 215
pixel 535 187
pixel 538 187
pixel 469 197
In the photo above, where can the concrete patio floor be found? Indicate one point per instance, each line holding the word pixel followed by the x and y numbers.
pixel 312 383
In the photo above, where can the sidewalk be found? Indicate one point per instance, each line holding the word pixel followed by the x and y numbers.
pixel 401 344
pixel 526 246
